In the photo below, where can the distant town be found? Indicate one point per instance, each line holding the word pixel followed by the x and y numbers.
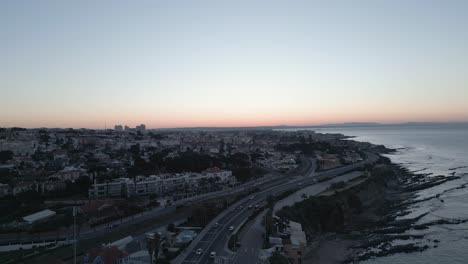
pixel 110 192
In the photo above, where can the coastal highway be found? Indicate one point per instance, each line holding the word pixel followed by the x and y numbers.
pixel 214 238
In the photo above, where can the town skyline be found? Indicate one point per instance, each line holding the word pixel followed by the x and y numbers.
pixel 129 128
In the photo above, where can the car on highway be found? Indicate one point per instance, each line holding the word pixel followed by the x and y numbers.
pixel 199 251
pixel 251 197
pixel 241 207
pixel 231 228
pixel 113 226
pixel 212 254
pixel 250 206
pixel 216 224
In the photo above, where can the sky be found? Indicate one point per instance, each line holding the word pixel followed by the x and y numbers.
pixel 187 63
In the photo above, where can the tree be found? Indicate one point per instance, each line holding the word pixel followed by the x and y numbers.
pixel 221 147
pixel 268 226
pixel 277 258
pixel 135 150
pixel 171 227
pixel 5 155
pixel 270 201
pixel 302 140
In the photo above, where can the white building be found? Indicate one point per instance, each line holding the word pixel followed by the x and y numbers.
pixel 39 216
pixel 223 175
pixel 50 186
pixel 23 187
pixel 68 174
pixel 125 187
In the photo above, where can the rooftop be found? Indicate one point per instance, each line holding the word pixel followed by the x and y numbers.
pixel 39 216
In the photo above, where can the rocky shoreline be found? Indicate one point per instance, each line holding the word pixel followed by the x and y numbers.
pixel 362 221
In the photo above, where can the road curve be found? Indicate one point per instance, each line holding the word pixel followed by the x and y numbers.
pixel 214 239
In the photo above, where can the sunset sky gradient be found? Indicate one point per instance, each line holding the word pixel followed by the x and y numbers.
pixel 231 63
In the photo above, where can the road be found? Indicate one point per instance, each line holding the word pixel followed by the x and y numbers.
pixel 214 239
pixel 138 218
pixel 251 239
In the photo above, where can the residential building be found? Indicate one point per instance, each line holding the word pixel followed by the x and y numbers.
pixel 141 128
pixel 68 174
pixel 50 186
pixel 160 185
pixel 106 254
pixel 23 187
pixel 294 247
pixel 223 175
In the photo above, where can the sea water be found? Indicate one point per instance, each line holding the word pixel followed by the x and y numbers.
pixel 432 150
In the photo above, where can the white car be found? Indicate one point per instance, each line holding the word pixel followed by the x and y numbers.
pixel 231 228
pixel 212 254
pixel 251 198
pixel 199 251
pixel 216 224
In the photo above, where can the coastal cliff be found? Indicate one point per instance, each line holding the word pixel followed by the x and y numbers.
pixel 358 219
pixel 344 203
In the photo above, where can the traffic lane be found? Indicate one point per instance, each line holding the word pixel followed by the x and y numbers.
pixel 222 239
pixel 220 246
pixel 203 244
pixel 219 237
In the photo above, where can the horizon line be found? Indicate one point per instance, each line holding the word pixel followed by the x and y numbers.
pixel 254 127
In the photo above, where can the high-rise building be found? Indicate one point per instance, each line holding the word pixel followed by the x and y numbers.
pixel 118 128
pixel 141 128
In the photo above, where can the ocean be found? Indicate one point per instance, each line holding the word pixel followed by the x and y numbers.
pixel 442 210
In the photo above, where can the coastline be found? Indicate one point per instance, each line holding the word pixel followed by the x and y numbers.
pixel 369 226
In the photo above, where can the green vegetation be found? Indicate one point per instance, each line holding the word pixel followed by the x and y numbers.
pixel 277 258
pixel 23 204
pixel 8 256
pixel 5 155
pixel 269 228
pixel 239 163
pixel 247 173
pixel 311 147
pixel 316 214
